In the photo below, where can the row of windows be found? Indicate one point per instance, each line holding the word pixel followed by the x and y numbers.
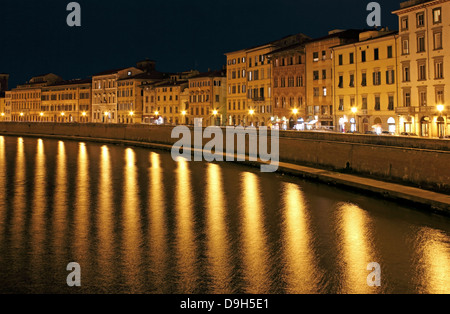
pixel 292 60
pixel 420 19
pixel 376 79
pixel 423 96
pixel 377 103
pixel 283 102
pixel 422 71
pixel 421 43
pixel 25 95
pixel 291 82
pixel 376 55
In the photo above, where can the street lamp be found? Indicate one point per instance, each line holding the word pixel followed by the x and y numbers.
pixel 295 111
pixel 251 112
pixel 354 110
pixel 440 121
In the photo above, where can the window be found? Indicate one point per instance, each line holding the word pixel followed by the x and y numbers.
pixel 363 56
pixel 316 75
pixel 437 36
pixel 390 77
pixel 316 92
pixel 422 98
pixel 377 78
pixel 406 73
pixel 420 43
pixel 437 16
pixel 391 103
pixel 316 57
pixel 324 74
pixel 324 55
pixel 405 46
pixel 352 57
pixel 439 95
pixel 324 90
pixel 376 54
pixel 389 52
pixel 341 82
pixel 439 69
pixel 364 103
pixel 364 79
pixel 420 19
pixel 422 72
pixel 377 103
pixel 405 24
pixel 341 60
pixel 352 80
pixel 341 104
pixel 407 99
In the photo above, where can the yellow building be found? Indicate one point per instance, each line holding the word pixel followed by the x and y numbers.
pixel 8 98
pixel 207 98
pixel 319 78
pixel 26 98
pixel 250 83
pixel 424 72
pixel 2 108
pixel 67 101
pixel 365 86
pixel 170 105
pixel 130 96
pixel 104 93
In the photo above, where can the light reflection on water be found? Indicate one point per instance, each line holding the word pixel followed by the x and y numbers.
pixel 137 221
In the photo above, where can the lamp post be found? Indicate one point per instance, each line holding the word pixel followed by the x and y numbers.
pixel 215 112
pixel 251 112
pixel 440 122
pixel 131 113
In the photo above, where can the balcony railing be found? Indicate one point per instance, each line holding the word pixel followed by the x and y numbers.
pixel 405 110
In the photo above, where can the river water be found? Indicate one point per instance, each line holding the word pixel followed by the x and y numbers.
pixel 138 222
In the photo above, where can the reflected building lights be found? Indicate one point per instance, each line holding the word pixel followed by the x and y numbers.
pixel 60 201
pixel 186 247
pixel 158 224
pixel 18 223
pixel 254 251
pixel 218 241
pixel 302 273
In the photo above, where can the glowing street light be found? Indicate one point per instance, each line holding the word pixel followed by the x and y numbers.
pixel 21 114
pixel 41 114
pixel 354 110
pixel 131 113
pixel 106 113
pixel 183 113
pixel 3 114
pixel 156 113
pixel 251 112
pixel 295 111
pixel 440 108
pixel 215 112
pixel 63 114
pixel 83 114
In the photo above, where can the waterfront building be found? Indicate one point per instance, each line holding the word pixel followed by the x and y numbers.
pixel 171 102
pixel 67 101
pixel 104 93
pixel 26 98
pixel 250 83
pixel 289 88
pixel 7 110
pixel 319 78
pixel 207 98
pixel 130 96
pixel 365 84
pixel 424 72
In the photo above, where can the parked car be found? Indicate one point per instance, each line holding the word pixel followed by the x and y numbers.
pixel 408 134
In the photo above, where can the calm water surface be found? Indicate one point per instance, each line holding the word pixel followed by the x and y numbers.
pixel 138 222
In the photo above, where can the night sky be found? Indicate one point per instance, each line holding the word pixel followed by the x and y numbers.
pixel 180 35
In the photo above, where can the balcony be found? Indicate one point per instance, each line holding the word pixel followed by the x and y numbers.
pixel 405 111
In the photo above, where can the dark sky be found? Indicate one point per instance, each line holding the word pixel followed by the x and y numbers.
pixel 180 35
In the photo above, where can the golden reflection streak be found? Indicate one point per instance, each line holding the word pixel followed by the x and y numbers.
pixel 81 215
pixel 255 254
pixel 356 248
pixel 18 220
pixel 38 211
pixel 105 214
pixel 2 187
pixel 218 245
pixel 60 201
pixel 433 263
pixel 302 274
pixel 131 227
pixel 158 226
pixel 186 248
